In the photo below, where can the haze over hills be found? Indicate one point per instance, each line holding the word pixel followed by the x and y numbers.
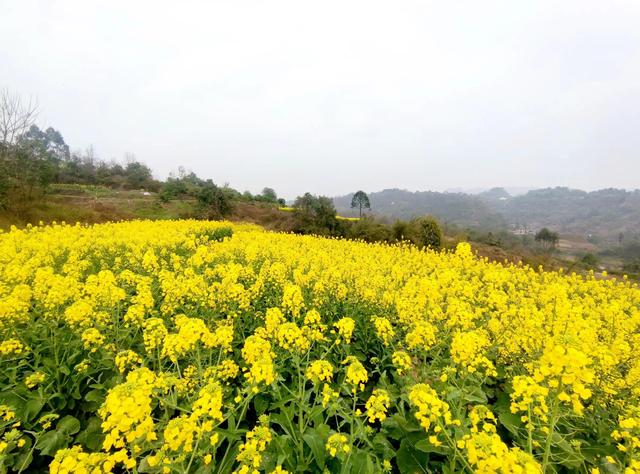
pixel 452 208
pixel 512 190
pixel 604 213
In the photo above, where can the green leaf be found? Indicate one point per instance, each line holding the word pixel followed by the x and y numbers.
pixel 361 461
pixel 453 394
pixel 91 436
pixel 95 395
pixel 59 401
pixel 231 422
pixel 426 447
pixel 50 442
pixel 23 460
pixel 227 463
pixel 323 430
pixel 68 425
pixel 316 442
pixel 317 416
pixel 410 460
pixel 383 447
pixel 284 447
pixel 569 457
pixel 32 408
pixel 398 427
pixel 511 422
pixel 260 403
pixel 475 396
pixel 76 393
pixel 280 419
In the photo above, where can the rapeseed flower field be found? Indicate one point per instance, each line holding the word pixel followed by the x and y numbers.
pixel 190 346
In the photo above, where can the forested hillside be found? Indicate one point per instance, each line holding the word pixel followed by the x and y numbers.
pixel 606 212
pixel 451 208
pixel 610 214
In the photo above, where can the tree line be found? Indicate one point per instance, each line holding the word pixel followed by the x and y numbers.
pixel 32 159
pixel 317 215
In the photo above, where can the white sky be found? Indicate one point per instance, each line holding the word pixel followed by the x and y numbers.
pixel 334 96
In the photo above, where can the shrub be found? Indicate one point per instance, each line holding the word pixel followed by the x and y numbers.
pixel 213 202
pixel 426 232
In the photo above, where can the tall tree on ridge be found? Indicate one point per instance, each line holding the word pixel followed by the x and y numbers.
pixel 360 200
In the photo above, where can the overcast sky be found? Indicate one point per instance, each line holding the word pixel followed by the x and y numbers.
pixel 333 96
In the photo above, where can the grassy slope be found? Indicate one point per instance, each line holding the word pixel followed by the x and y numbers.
pixel 94 205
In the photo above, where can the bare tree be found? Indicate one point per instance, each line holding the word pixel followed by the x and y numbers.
pixel 16 117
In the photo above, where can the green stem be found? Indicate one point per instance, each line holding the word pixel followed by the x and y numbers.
pixel 454 446
pixel 547 445
pixel 33 446
pixel 529 431
pixel 193 453
pixel 353 411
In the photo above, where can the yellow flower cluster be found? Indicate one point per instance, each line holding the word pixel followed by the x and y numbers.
pixel 292 300
pixel 338 443
pixel 209 404
pixel 74 461
pixel 567 371
pixel 250 455
pixel 12 347
pixel 482 418
pixel 225 370
pixel 257 353
pixel 126 412
pixel 402 362
pixel 34 379
pixel 356 375
pixel 313 327
pixel 422 336
pixel 328 395
pixel 319 371
pixel 529 397
pixel 191 332
pixel 488 454
pixel 384 329
pixel 7 413
pixel 127 359
pixel 180 434
pixel 377 405
pixel 468 350
pixel 627 435
pixel 273 319
pixel 345 328
pixel 92 339
pixel 154 334
pixel 432 412
pixel 291 337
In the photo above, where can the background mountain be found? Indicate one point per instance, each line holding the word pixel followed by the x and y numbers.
pixel 606 213
pixel 450 208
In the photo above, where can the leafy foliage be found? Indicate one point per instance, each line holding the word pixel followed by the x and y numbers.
pixel 213 202
pixel 547 237
pixel 427 232
pixel 315 215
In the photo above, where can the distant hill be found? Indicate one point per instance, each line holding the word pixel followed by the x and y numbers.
pixel 605 213
pixel 453 208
